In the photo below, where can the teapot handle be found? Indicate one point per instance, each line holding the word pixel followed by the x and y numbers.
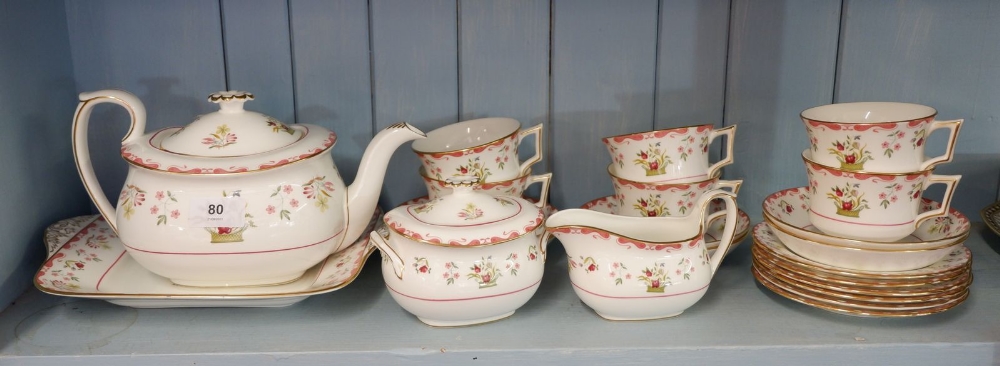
pixel 729 231
pixel 81 148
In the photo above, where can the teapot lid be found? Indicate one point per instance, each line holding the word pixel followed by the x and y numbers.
pixel 466 217
pixel 230 131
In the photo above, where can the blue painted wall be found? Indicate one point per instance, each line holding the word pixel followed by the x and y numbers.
pixel 584 68
pixel 37 98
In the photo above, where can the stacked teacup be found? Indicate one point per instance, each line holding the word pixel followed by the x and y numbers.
pixel 486 148
pixel 863 210
pixel 662 173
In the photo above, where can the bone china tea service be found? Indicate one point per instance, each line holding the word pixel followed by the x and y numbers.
pixel 464 258
pixel 485 147
pixel 676 155
pixel 511 187
pixel 876 136
pixel 235 198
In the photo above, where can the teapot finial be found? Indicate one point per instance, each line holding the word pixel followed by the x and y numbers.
pixel 462 183
pixel 231 100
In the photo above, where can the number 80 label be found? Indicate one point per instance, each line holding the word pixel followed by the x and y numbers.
pixel 217 212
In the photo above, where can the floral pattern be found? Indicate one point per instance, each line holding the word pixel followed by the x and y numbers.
pixel 890 145
pixel 655 277
pixel 80 255
pixel 654 160
pixel 222 137
pixel 165 199
pixel 889 196
pixel 317 189
pixel 281 192
pixel 512 264
pixel 470 212
pixel 421 265
pixel 651 206
pixel 474 167
pixel 130 198
pixel 686 202
pixel 848 200
pixel 620 273
pixel 451 272
pixel 485 272
pixel 226 234
pixel 851 154
pixel 532 253
pixel 588 264
pixel 277 126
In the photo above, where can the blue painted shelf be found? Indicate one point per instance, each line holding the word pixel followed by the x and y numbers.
pixel 737 322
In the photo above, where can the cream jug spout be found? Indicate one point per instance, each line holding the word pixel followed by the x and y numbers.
pixel 363 193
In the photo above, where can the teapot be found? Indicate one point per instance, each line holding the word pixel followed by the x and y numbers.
pixel 235 198
pixel 639 268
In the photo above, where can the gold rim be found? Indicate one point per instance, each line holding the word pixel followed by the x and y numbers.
pixel 715 177
pixel 949 244
pixel 887 295
pixel 933 114
pixel 491 142
pixel 868 284
pixel 886 276
pixel 662 130
pixel 859 312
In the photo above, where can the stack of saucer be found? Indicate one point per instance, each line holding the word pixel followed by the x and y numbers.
pixel 860 239
pixel 486 148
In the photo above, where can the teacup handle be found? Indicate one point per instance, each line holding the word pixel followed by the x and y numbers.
pixel 382 243
pixel 950 181
pixel 537 131
pixel 544 180
pixel 733 185
pixel 730 132
pixel 949 150
pixel 729 231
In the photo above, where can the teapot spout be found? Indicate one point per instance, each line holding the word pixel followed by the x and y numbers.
pixel 363 193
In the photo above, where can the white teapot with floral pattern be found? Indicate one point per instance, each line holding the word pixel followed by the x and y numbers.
pixel 236 198
pixel 464 258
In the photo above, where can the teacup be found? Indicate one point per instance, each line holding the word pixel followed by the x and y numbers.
pixel 676 155
pixel 876 136
pixel 485 147
pixel 640 199
pixel 871 206
pixel 511 187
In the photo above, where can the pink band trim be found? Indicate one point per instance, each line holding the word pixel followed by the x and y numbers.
pixel 465 299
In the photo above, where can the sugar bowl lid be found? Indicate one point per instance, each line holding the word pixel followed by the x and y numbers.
pixel 466 218
pixel 230 131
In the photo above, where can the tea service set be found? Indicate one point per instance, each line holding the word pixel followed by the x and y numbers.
pixel 860 237
pixel 239 209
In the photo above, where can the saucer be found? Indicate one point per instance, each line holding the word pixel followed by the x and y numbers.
pixel 712 235
pixel 87 260
pixel 991 215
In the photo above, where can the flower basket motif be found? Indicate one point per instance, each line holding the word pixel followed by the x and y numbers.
pixel 485 272
pixel 847 200
pixel 474 167
pixel 655 278
pixel 652 206
pixel 654 160
pixel 226 234
pixel 851 154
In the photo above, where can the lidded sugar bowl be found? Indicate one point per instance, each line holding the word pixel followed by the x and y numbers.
pixel 236 197
pixel 464 258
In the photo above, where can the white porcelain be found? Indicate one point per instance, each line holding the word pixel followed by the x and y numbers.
pixel 871 206
pixel 201 214
pixel 788 211
pixel 714 227
pixel 464 258
pixel 512 187
pixel 857 258
pixel 485 147
pixel 662 199
pixel 882 137
pixel 87 260
pixel 637 268
pixel 677 155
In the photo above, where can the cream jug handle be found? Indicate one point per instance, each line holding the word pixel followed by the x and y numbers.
pixel 728 233
pixel 382 243
pixel 81 149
